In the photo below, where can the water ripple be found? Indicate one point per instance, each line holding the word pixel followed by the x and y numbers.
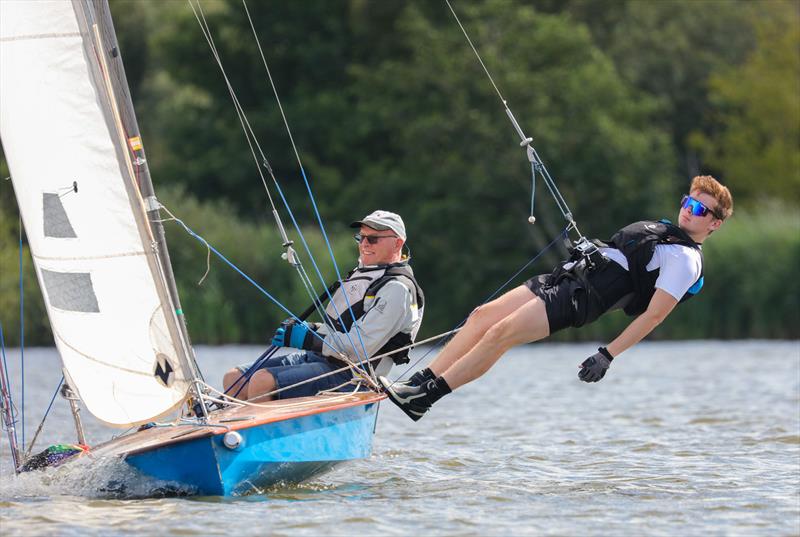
pixel 528 450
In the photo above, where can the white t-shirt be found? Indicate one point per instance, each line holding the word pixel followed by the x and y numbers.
pixel 680 266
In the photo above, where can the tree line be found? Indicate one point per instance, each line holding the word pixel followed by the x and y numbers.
pixel 626 101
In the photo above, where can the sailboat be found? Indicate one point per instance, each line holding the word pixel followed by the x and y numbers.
pixel 93 224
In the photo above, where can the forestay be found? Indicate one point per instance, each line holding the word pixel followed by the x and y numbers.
pixel 76 166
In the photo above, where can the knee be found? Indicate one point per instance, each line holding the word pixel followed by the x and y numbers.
pixel 480 316
pixel 231 377
pixel 261 382
pixel 502 334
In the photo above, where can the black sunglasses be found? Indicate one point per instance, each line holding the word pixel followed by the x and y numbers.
pixel 371 239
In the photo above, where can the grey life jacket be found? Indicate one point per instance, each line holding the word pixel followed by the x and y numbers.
pixel 347 302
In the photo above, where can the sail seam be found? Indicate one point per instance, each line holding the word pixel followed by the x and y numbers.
pixel 111 366
pixel 88 258
pixel 31 37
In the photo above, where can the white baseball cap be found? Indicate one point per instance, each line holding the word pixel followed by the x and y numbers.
pixel 383 220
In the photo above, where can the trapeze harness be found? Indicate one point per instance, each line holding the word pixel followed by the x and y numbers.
pixel 637 242
pixel 363 283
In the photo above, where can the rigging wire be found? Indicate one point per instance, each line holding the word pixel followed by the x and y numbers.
pixel 22 332
pixel 537 165
pixel 250 135
pixel 244 275
pixel 7 404
pixel 350 366
pixel 290 255
pixel 44 418
pixel 305 180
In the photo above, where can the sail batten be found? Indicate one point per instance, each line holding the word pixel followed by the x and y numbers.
pixel 98 261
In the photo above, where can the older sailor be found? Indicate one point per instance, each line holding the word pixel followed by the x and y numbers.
pixel 377 309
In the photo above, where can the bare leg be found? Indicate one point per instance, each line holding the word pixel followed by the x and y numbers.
pixel 479 321
pixel 232 381
pixel 261 382
pixel 526 324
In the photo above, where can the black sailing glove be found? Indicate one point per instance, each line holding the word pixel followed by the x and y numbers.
pixel 595 366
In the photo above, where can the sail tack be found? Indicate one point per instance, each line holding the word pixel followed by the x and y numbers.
pixel 76 186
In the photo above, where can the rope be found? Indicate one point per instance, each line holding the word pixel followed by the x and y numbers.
pixel 247 375
pixel 350 366
pixel 287 405
pixel 244 275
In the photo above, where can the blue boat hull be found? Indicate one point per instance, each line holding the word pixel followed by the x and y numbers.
pixel 286 451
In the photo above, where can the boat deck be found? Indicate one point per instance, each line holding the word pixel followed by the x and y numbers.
pixel 231 419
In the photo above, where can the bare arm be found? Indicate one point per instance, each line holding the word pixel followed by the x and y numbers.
pixel 660 306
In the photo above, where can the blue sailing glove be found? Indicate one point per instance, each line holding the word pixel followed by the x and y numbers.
pixel 594 367
pixel 297 335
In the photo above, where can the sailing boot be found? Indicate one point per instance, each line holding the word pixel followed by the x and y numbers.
pixel 421 377
pixel 415 401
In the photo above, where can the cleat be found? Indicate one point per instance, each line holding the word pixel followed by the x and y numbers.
pixel 413 400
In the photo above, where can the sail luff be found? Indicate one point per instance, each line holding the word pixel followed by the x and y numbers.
pixel 143 190
pixel 147 216
pixel 148 193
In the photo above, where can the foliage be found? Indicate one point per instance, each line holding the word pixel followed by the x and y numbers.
pixel 389 108
pixel 36 325
pixel 757 109
pixel 668 49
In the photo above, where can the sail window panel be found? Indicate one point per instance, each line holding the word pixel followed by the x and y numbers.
pixel 55 219
pixel 70 291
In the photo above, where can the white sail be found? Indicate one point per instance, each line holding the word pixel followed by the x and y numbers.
pixel 74 173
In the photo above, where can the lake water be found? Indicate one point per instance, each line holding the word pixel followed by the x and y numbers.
pixel 687 438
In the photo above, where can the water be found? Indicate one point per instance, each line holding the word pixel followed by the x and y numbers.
pixel 689 438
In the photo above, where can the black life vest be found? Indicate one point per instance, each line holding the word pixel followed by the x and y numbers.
pixel 365 282
pixel 638 242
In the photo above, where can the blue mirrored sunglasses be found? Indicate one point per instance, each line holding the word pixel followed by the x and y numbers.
pixel 698 209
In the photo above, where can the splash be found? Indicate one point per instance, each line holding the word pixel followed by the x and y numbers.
pixel 92 477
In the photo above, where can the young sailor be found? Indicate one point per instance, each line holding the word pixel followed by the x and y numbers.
pixel 645 269
pixel 383 297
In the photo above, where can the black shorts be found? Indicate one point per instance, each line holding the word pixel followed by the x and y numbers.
pixel 570 302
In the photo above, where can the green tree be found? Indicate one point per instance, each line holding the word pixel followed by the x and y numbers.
pixel 757 112
pixel 34 316
pixel 669 49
